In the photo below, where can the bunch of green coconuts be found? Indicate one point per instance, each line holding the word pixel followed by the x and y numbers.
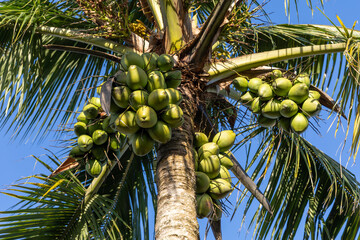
pixel 212 164
pixel 287 103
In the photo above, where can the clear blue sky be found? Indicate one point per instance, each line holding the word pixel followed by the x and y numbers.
pixel 16 161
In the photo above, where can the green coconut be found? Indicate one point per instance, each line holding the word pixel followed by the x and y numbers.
pixel 138 98
pixel 195 158
pixel 161 132
pixel 224 139
pixel 80 128
pixel 256 105
pixel 126 123
pixel 284 123
pixel 99 137
pixel 299 123
pixel 165 62
pixel 224 174
pixel 254 84
pixel 217 211
pixel 149 61
pixel 136 78
pixel 96 101
pixel 311 107
pixel 276 73
pixel 146 117
pixel 219 188
pixel 200 139
pixel 141 143
pixel 175 97
pixel 108 125
pixel 314 94
pixel 241 84
pixel 91 111
pixel 281 86
pixel 303 78
pixel 85 143
pixel 98 89
pixel 247 98
pixel 132 58
pixel 115 143
pixel 76 152
pixel 288 108
pixel 208 149
pixel 94 125
pixel 82 118
pixel 210 165
pixel 173 78
pixel 225 161
pixel 120 96
pixel 265 92
pixel 156 81
pixel 93 167
pixel 266 122
pixel 204 205
pixel 114 108
pixel 173 115
pixel 99 152
pixel 158 99
pixel 202 182
pixel 120 77
pixel 271 109
pixel 299 93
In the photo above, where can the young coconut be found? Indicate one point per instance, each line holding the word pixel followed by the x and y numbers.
pixel 80 128
pixel 175 96
pixel 219 188
pixel 254 84
pixel 161 132
pixel 96 102
pixel 299 93
pixel 99 137
pixel 314 94
pixel 266 122
pixel 136 78
pixel 265 92
pixel 281 86
pixel 90 111
pixel 247 98
pixel 99 152
pixel 141 143
pixel 224 174
pixel 149 61
pixel 202 182
pixel 302 78
pixel 146 117
pixel 299 123
pixel 126 123
pixel 210 166
pixel 138 98
pixel 288 108
pixel 173 115
pixel 132 58
pixel 93 126
pixel 165 62
pixel 156 81
pixel 76 152
pixel 311 107
pixel 204 205
pixel 271 109
pixel 120 96
pixel 173 78
pixel 225 160
pixel 276 73
pixel 200 139
pixel 224 139
pixel 93 167
pixel 208 149
pixel 241 84
pixel 82 118
pixel 284 124
pixel 158 99
pixel 85 143
pixel 256 105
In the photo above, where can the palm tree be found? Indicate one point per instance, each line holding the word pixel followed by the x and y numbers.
pixel 47 46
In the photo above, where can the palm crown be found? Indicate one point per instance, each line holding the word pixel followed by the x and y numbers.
pixel 55 53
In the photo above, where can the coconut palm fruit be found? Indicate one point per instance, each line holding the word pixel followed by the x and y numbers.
pixel 247 98
pixel 210 165
pixel 115 143
pixel 138 98
pixel 224 174
pixel 156 81
pixel 131 58
pixel 284 123
pixel 96 102
pixel 299 93
pixel 254 84
pixel 314 94
pixel 256 105
pixel 99 137
pixel 173 115
pixel 202 182
pixel 80 128
pixel 302 78
pixel 98 89
pixel 173 78
pixel 120 96
pixel 204 205
pixel 217 211
pixel 149 61
pixel 219 188
pixel 82 118
pixel 93 126
pixel 91 111
pixel 311 107
pixel 208 149
pixel 76 152
pixel 196 158
pixel 85 143
pixel 126 123
pixel 93 167
pixel 200 139
pixel 141 143
pixel 224 139
pixel 99 152
pixel 281 86
pixel 146 117
pixel 175 96
pixel 266 122
pixel 115 108
pixel 108 125
pixel 158 99
pixel 136 78
pixel 241 84
pixel 299 123
pixel 165 62
pixel 265 92
pixel 120 77
pixel 288 108
pixel 276 73
pixel 161 132
pixel 271 109
pixel 225 161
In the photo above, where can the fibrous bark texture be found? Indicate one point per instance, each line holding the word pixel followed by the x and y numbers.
pixel 175 178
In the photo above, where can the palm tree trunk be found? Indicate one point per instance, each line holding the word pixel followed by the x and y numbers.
pixel 175 178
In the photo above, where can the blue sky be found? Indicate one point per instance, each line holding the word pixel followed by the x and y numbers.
pixel 16 156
